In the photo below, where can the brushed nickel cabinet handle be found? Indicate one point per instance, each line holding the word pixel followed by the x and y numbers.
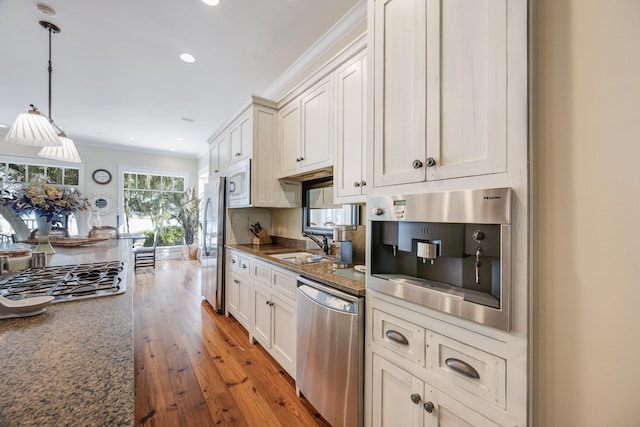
pixel 462 368
pixel 397 337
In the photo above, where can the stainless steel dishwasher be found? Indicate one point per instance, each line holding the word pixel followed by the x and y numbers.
pixel 330 352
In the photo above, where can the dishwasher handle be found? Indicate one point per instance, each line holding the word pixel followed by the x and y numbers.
pixel 328 300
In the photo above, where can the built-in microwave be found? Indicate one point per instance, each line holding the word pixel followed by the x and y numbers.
pixel 239 184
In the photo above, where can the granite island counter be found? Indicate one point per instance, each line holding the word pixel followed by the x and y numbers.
pixel 73 364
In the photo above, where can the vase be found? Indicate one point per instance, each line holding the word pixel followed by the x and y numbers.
pixel 44 230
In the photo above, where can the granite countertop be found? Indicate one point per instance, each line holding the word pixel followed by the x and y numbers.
pixel 73 364
pixel 347 279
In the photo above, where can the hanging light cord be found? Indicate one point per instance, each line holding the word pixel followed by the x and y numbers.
pixel 50 69
pixel 52 28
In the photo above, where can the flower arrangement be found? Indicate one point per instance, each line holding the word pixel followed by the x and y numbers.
pixel 46 200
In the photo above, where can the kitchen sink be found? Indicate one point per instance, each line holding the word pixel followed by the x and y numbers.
pixel 299 258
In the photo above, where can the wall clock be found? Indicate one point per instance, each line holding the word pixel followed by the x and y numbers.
pixel 101 176
pixel 102 203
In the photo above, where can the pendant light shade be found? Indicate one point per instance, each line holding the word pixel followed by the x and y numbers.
pixel 67 152
pixel 32 128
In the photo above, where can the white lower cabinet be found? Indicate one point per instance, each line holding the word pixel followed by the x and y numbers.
pixel 273 317
pixel 238 290
pixel 422 371
pixel 402 399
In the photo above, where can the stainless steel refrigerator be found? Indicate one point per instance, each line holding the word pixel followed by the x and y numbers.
pixel 213 241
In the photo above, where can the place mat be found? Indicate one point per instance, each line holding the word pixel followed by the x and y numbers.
pixel 17 252
pixel 69 242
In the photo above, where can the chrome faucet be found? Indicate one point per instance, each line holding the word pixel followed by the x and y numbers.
pixel 324 244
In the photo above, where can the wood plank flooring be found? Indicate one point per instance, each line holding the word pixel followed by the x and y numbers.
pixel 194 367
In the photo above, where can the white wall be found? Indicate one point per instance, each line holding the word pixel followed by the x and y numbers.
pixel 105 158
pixel 587 204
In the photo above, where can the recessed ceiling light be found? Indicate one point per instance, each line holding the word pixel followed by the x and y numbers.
pixel 172 149
pixel 178 139
pixel 187 57
pixel 211 2
pixel 132 138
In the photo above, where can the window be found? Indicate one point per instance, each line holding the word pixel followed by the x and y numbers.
pixel 147 203
pixel 319 213
pixel 22 170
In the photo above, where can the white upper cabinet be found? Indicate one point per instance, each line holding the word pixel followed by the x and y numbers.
pixel 241 136
pixel 307 130
pixel 350 178
pixel 440 76
pixel 266 189
pixel 252 133
pixel 219 156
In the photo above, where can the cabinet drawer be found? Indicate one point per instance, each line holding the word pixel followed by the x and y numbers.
pixel 242 267
pixel 261 272
pixel 403 338
pixel 284 282
pixel 480 373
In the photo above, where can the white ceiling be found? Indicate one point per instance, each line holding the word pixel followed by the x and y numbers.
pixel 116 72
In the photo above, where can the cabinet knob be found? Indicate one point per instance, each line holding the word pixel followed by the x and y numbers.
pixel 266 302
pixel 238 154
pixel 429 407
pixel 430 162
pixel 356 184
pixel 417 164
pixel 415 398
pixel 216 171
pixel 236 281
pixel 298 159
pixel 363 183
pixel 301 158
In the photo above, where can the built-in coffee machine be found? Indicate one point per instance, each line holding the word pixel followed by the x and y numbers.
pixel 449 251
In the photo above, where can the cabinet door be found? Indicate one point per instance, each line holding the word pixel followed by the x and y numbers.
pixel 232 295
pixel 289 141
pixel 262 316
pixel 214 168
pixel 399 91
pixel 466 87
pixel 283 342
pixel 241 136
pixel 449 412
pixel 244 302
pixel 349 172
pixel 223 155
pixel 392 389
pixel 218 155
pixel 317 125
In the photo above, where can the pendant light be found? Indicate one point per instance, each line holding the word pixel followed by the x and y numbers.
pixel 32 128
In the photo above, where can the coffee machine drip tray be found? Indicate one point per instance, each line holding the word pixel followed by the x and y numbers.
pixel 437 293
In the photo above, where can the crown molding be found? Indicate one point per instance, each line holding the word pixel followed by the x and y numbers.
pixel 356 15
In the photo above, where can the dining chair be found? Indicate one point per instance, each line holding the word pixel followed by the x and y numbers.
pixel 145 256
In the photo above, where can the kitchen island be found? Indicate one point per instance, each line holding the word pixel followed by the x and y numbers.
pixel 73 364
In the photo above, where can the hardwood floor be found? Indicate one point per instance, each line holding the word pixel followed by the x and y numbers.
pixel 197 368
